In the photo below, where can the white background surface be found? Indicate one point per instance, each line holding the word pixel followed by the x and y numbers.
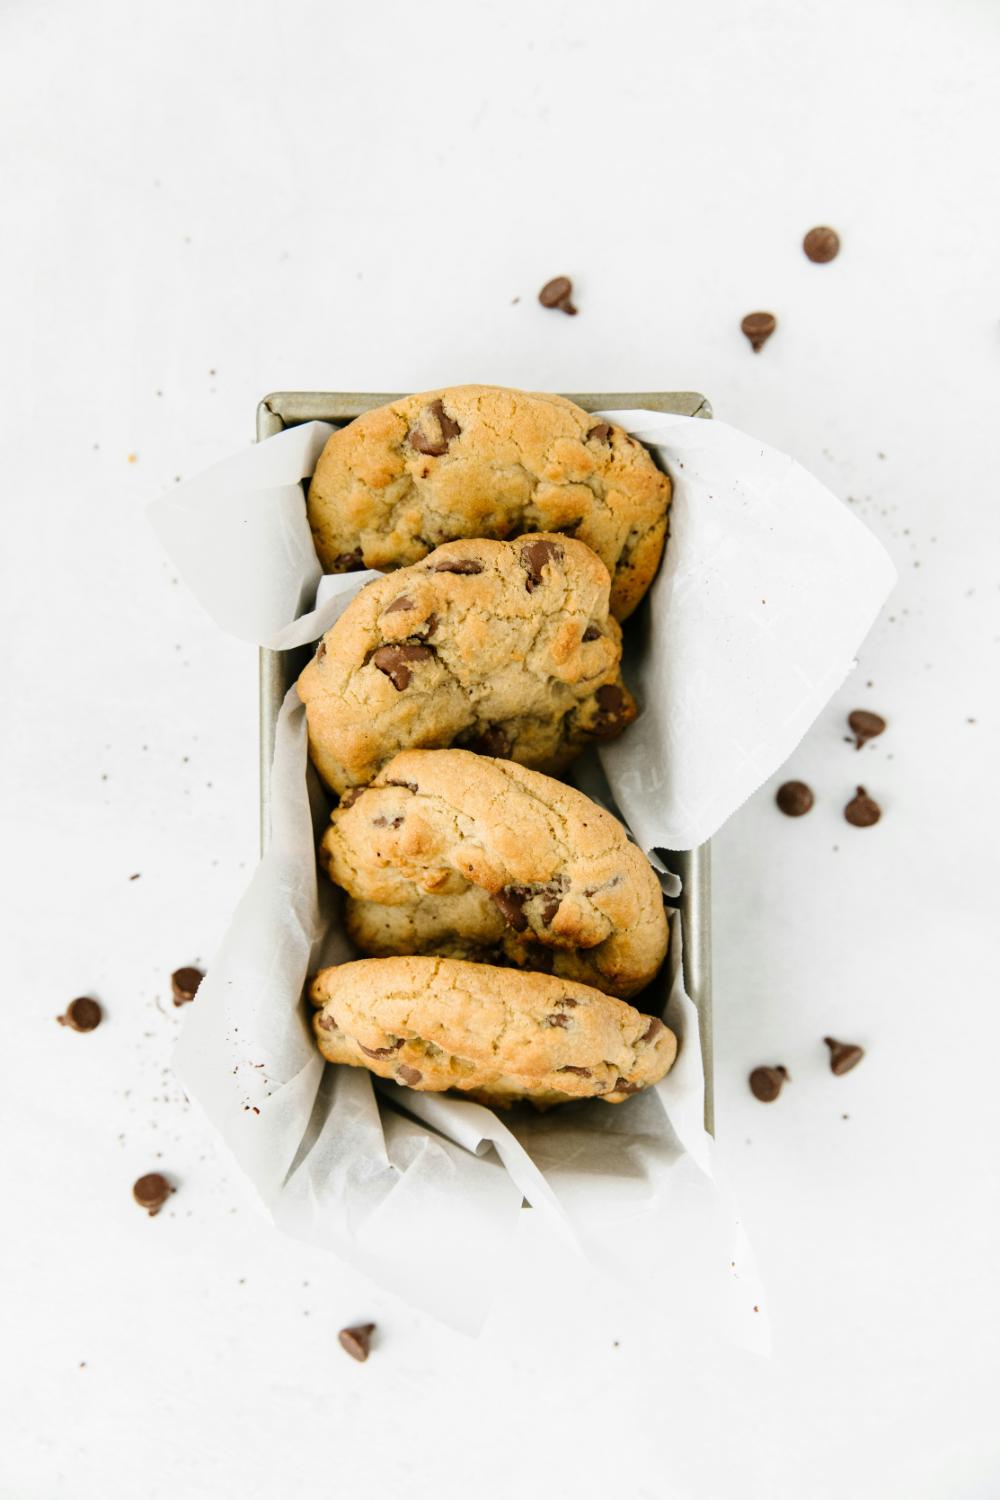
pixel 204 203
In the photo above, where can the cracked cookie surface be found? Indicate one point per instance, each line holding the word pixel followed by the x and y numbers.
pixel 505 647
pixel 461 855
pixel 478 460
pixel 494 1034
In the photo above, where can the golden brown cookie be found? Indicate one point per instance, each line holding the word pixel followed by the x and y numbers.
pixel 506 647
pixel 457 854
pixel 494 1034
pixel 480 460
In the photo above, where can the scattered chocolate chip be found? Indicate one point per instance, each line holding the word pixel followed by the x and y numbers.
pixel 758 327
pixel 535 556
pixel 409 1075
pixel 184 983
pixel 447 429
pixel 765 1083
pixel 653 1030
pixel 467 565
pixel 591 634
pixel 821 244
pixel 382 1051
pixel 351 796
pixel 493 741
pixel 151 1192
pixel 794 798
pixel 550 908
pixel 357 1341
pixel 392 661
pixel 558 293
pixel 862 811
pixel 82 1014
pixel 383 822
pixel 569 1068
pixel 843 1055
pixel 865 726
pixel 600 433
pixel 509 902
pixel 348 562
pixel 403 602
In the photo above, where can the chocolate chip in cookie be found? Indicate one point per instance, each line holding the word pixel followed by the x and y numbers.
pixel 403 602
pixel 348 562
pixel 463 565
pixel 493 741
pixel 409 1075
pixel 535 556
pixel 426 442
pixel 591 634
pixel 509 902
pixel 611 703
pixel 392 660
pixel 600 433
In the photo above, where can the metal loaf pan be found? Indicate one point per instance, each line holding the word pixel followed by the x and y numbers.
pixel 279 669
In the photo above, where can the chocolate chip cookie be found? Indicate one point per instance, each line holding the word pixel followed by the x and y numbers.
pixel 504 647
pixel 480 460
pixel 460 855
pixel 494 1034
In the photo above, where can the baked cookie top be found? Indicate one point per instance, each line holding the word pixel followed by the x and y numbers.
pixel 449 852
pixel 496 1034
pixel 481 460
pixel 507 647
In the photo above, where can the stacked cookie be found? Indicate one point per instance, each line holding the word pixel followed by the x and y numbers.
pixel 509 918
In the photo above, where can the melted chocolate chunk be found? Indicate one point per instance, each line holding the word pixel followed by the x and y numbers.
pixel 600 432
pixel 509 902
pixel 569 1068
pixel 411 786
pixel 534 557
pixel 465 565
pixel 348 562
pixel 447 429
pixel 392 660
pixel 382 1051
pixel 493 741
pixel 409 1075
pixel 350 796
pixel 381 822
pixel 403 602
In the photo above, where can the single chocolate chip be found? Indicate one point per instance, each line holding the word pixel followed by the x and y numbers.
pixel 862 811
pixel 550 908
pixel 600 433
pixel 350 797
pixel 447 429
pixel 509 902
pixel 865 726
pixel 320 651
pixel 467 565
pixel 821 244
pixel 562 1021
pixel 794 798
pixel 493 741
pixel 843 1055
pixel 409 1075
pixel 403 602
pixel 151 1192
pixel 610 702
pixel 327 1023
pixel 569 1068
pixel 184 983
pixel 82 1014
pixel 558 293
pixel 591 634
pixel 348 562
pixel 392 660
pixel 765 1083
pixel 428 627
pixel 535 556
pixel 758 327
pixel 653 1030
pixel 357 1341
pixel 382 1051
pixel 411 786
pixel 383 822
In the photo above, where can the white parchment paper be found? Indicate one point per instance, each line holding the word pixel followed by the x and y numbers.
pixel 768 587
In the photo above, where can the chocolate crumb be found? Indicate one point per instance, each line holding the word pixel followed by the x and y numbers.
pixel 357 1341
pixel 794 798
pixel 843 1055
pixel 758 327
pixel 862 811
pixel 151 1192
pixel 865 726
pixel 184 983
pixel 83 1014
